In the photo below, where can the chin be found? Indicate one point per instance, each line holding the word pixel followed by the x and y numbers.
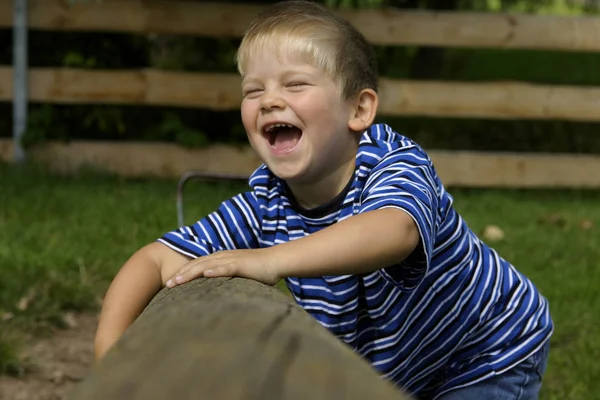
pixel 288 173
pixel 291 168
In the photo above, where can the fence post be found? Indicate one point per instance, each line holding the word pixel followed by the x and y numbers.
pixel 20 86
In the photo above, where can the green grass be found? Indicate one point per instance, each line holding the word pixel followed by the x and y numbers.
pixel 63 238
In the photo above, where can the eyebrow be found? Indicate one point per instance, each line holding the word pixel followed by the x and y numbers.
pixel 247 80
pixel 250 79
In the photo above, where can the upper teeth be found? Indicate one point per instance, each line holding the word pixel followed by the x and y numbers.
pixel 271 127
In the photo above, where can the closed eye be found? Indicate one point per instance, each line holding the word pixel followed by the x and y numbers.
pixel 296 85
pixel 251 92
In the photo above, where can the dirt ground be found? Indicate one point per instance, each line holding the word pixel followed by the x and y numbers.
pixel 55 364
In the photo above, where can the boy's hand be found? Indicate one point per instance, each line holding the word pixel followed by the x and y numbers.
pixel 253 264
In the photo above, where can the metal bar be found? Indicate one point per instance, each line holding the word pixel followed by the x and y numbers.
pixel 20 84
pixel 200 175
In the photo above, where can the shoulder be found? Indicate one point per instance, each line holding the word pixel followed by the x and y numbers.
pixel 383 150
pixel 260 178
pixel 269 192
pixel 381 143
pixel 264 183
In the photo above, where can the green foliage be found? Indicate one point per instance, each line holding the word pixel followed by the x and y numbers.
pixel 171 127
pixel 73 2
pixel 49 122
pixel 542 66
pixel 85 49
pixel 42 121
pixel 187 53
pixel 559 7
pixel 238 134
pixel 188 127
pixel 105 119
pixel 75 59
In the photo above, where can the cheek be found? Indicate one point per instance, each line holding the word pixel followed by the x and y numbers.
pixel 248 116
pixel 318 108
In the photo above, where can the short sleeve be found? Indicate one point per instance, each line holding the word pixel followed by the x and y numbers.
pixel 234 225
pixel 405 180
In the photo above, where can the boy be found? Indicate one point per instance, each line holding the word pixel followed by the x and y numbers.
pixel 353 216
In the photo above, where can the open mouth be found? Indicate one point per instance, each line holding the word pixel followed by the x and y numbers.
pixel 282 137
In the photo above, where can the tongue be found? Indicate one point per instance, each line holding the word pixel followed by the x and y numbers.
pixel 286 139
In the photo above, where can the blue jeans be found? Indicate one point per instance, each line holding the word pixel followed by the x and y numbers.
pixel 522 382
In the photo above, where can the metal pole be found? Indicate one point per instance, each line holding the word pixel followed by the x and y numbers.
pixel 200 175
pixel 20 87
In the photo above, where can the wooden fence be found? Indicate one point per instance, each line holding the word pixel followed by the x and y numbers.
pixel 496 100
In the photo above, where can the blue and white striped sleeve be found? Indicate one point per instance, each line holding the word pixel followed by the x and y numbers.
pixel 234 225
pixel 405 180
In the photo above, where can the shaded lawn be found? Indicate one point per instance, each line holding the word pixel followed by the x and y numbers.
pixel 63 238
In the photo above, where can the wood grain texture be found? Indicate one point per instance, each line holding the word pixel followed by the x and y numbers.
pixel 137 159
pixel 147 87
pixel 229 339
pixel 385 26
pixel 516 170
pixel 220 91
pixel 496 100
pixel 455 168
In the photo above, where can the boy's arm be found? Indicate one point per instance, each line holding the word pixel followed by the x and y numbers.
pixel 233 225
pixel 138 281
pixel 393 233
pixel 360 244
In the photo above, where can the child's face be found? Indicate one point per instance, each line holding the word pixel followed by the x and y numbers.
pixel 296 119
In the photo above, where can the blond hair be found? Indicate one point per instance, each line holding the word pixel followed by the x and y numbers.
pixel 309 30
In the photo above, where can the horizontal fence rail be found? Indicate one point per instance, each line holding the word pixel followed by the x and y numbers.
pixel 218 91
pixel 455 168
pixel 386 26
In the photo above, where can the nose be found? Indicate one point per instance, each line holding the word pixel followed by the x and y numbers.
pixel 271 100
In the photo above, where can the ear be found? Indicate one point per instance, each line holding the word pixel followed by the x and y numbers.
pixel 364 109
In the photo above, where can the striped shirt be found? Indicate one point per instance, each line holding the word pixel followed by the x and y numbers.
pixel 452 314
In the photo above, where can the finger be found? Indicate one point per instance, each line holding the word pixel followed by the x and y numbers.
pixel 194 269
pixel 224 270
pixel 191 274
pixel 187 267
pixel 221 265
pixel 171 282
pixel 186 274
pixel 183 270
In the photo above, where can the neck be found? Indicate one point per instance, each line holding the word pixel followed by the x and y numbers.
pixel 314 194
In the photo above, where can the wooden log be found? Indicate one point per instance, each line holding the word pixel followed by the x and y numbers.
pixel 137 159
pixel 455 168
pixel 497 100
pixel 516 170
pixel 149 87
pixel 228 339
pixel 219 91
pixel 380 26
